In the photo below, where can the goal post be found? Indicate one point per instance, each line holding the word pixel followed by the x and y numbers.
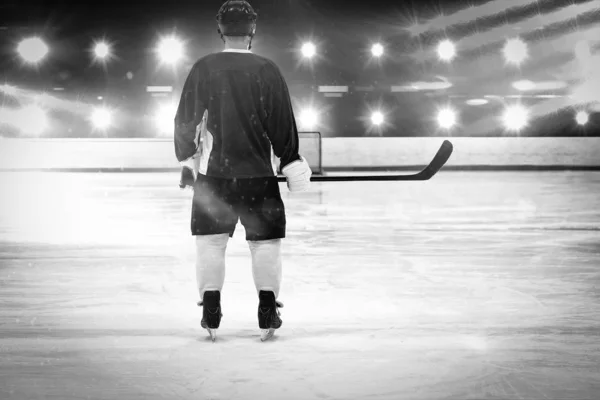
pixel 310 148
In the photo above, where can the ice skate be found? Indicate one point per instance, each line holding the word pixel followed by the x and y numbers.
pixel 211 312
pixel 268 315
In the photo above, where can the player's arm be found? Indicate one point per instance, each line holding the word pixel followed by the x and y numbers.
pixel 188 118
pixel 283 133
pixel 281 124
pixel 190 111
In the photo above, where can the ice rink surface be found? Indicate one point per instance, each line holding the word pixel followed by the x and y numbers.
pixel 474 285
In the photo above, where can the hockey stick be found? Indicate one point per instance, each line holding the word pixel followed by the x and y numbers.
pixel 438 161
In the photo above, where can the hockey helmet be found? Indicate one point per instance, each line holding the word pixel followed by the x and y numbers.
pixel 236 18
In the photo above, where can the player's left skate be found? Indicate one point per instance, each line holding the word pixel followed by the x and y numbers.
pixel 211 312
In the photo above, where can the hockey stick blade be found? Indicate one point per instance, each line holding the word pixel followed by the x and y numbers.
pixel 438 161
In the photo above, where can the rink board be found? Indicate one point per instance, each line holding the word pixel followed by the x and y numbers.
pixel 336 153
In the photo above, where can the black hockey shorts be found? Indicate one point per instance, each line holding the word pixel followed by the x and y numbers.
pixel 219 203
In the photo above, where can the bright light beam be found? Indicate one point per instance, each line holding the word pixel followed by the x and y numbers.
pixel 101 118
pixel 582 117
pixel 529 25
pixel 515 118
pixel 468 15
pixel 446 118
pixel 377 118
pixel 377 50
pixel 32 50
pixel 308 50
pixel 487 67
pixel 309 118
pixel 515 51
pixel 446 50
pixel 170 50
pixel 101 51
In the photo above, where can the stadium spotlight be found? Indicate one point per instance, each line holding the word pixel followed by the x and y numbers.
pixel 101 50
pixel 515 51
pixel 308 50
pixel 170 50
pixel 32 50
pixel 31 119
pixel 165 118
pixel 515 117
pixel 582 117
pixel 309 118
pixel 377 118
pixel 101 118
pixel 446 50
pixel 446 118
pixel 377 50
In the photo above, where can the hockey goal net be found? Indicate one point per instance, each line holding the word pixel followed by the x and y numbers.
pixel 310 148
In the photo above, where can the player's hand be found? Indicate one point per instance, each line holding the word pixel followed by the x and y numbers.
pixel 297 174
pixel 187 178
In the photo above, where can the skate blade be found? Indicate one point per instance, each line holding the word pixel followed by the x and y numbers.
pixel 212 333
pixel 266 334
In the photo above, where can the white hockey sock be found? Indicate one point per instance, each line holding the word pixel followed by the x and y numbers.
pixel 210 262
pixel 266 264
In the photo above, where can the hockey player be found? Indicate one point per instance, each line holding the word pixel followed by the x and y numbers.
pixel 235 110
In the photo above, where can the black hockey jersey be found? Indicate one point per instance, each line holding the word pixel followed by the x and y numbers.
pixel 236 105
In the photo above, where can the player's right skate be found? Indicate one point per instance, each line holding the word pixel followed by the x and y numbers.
pixel 211 312
pixel 268 314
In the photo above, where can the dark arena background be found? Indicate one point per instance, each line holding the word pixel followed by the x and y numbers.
pixel 481 282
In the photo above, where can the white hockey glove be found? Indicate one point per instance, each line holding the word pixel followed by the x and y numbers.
pixel 189 171
pixel 187 178
pixel 297 174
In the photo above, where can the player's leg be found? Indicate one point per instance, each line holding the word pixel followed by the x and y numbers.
pixel 262 213
pixel 266 265
pixel 210 262
pixel 213 222
pixel 210 276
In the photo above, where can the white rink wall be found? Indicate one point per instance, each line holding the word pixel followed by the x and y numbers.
pixel 468 152
pixel 337 153
pixel 87 154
